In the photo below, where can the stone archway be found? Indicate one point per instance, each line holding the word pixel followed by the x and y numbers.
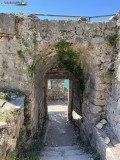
pixel 44 72
pixel 97 58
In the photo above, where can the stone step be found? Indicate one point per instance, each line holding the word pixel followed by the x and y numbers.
pixel 62 148
pixel 62 152
pixel 73 157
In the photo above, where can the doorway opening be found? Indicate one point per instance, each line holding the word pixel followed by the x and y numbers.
pixel 58 95
pixel 60 129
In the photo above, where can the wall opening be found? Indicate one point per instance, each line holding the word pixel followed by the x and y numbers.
pixel 58 95
pixel 44 79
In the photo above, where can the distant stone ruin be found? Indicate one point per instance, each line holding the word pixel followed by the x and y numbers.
pixel 56 90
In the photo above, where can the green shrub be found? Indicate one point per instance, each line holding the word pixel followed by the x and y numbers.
pixel 12 155
pixel 113 40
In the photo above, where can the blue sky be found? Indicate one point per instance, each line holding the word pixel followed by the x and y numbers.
pixel 64 7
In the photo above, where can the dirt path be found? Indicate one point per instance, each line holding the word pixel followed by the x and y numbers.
pixel 60 137
pixel 60 131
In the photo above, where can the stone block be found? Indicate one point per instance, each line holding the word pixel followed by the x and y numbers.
pixel 117 130
pixel 111 24
pixel 98 102
pixel 99 125
pixel 7 23
pixel 3 125
pixel 103 121
pixel 95 109
pixel 107 140
pixel 109 32
pixel 97 40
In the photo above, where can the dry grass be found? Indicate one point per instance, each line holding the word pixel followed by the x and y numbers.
pixel 4 115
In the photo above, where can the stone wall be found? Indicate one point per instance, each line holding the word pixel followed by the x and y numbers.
pixel 113 107
pixel 30 40
pixel 11 125
pixel 57 90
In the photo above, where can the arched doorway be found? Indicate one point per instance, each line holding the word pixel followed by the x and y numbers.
pixel 49 69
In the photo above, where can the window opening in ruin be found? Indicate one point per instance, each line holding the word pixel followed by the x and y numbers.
pixel 49 84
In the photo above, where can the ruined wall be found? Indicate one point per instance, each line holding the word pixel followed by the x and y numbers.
pixel 113 107
pixel 11 124
pixel 36 39
pixel 57 90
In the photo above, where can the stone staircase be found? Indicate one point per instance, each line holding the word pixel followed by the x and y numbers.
pixel 64 153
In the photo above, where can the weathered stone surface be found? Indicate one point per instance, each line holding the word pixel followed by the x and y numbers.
pixel 95 109
pixel 10 134
pixel 107 140
pixel 97 40
pixel 7 23
pixel 99 125
pixel 103 121
pixel 56 90
pixel 3 125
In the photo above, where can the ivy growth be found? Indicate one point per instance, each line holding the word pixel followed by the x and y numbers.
pixel 21 53
pixel 70 60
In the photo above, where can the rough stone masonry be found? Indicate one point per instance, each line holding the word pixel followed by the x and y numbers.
pixel 57 91
pixel 24 39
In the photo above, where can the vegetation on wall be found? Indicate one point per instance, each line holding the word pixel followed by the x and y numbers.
pixel 88 148
pixel 26 151
pixel 4 115
pixel 108 77
pixel 113 40
pixel 70 60
pixel 18 14
pixel 4 96
pixel 21 53
pixel 67 57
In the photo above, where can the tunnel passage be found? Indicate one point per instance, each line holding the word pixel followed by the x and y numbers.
pixel 74 89
pixel 43 73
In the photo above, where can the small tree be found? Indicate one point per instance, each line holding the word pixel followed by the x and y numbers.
pixel 21 13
